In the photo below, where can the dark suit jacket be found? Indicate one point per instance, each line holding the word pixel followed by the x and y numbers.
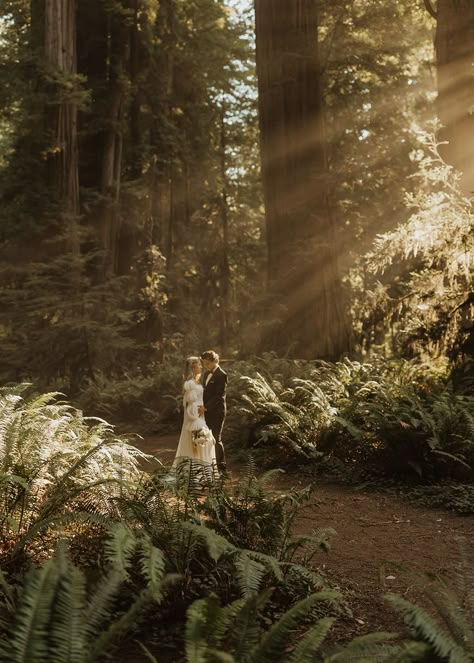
pixel 214 395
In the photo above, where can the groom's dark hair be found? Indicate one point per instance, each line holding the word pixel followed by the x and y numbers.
pixel 210 355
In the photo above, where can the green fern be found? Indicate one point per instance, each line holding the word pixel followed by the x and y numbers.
pixel 55 618
pixel 209 627
pixel 56 463
pixel 450 632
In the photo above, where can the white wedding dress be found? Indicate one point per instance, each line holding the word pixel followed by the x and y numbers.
pixel 202 450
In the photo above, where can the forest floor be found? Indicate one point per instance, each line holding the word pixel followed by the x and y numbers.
pixel 381 543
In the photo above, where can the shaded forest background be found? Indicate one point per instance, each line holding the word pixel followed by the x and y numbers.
pixel 139 154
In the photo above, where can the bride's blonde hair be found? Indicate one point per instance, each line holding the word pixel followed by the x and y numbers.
pixel 188 367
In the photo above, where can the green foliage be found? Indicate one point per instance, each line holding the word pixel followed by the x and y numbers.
pixel 450 633
pixel 397 418
pixel 57 468
pixel 448 494
pixel 239 633
pixel 233 633
pixel 377 60
pixel 232 542
pixel 54 615
pixel 167 106
pixel 291 416
pixel 150 399
pixel 425 296
pixel 253 516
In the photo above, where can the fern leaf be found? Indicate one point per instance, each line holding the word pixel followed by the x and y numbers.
pixel 407 652
pixel 427 629
pixel 153 566
pixel 100 608
pixel 250 574
pixel 271 648
pixel 197 629
pixel 215 544
pixel 363 649
pixel 306 648
pixel 147 653
pixel 120 627
pixel 226 619
pixel 246 630
pixel 270 562
pixel 68 629
pixel 29 638
pixel 119 547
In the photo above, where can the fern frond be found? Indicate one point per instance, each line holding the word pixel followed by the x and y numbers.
pixel 119 627
pixel 427 629
pixel 311 642
pixel 215 544
pixel 246 628
pixel 29 639
pixel 198 625
pixel 147 652
pixel 315 580
pixel 249 573
pixel 101 603
pixel 226 620
pixel 271 647
pixel 152 565
pixel 67 628
pixel 119 547
pixel 271 563
pixel 363 649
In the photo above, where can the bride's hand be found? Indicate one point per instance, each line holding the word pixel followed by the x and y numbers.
pixel 201 410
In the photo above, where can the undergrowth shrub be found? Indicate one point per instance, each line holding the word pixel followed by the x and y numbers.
pixel 54 612
pixel 57 469
pixel 391 417
pixel 148 401
pixel 446 626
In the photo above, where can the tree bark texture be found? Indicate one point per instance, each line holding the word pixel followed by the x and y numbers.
pixel 455 66
pixel 304 282
pixel 60 51
pixel 118 36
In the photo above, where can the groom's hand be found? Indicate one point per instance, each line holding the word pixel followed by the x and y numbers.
pixel 201 410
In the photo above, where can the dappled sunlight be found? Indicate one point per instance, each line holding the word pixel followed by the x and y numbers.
pixel 289 183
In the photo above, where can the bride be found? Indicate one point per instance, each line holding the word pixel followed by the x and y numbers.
pixel 196 441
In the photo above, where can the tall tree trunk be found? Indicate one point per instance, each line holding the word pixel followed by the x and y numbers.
pixel 118 40
pixel 170 218
pixel 304 281
pixel 60 51
pixel 224 276
pixel 455 64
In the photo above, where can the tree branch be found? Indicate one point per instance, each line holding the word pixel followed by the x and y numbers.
pixel 430 9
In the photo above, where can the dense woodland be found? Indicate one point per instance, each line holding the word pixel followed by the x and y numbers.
pixel 290 183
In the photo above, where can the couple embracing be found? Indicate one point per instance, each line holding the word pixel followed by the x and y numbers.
pixel 204 403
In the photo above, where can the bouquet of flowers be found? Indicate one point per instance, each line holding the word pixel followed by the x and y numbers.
pixel 201 437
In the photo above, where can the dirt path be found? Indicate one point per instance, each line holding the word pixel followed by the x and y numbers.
pixel 380 541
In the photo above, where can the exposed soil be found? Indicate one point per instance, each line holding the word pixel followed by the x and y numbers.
pixel 381 543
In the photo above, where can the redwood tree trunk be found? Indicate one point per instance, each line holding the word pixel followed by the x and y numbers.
pixel 224 272
pixel 60 51
pixel 305 289
pixel 455 64
pixel 118 44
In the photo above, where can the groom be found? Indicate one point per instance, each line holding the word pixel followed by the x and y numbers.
pixel 214 382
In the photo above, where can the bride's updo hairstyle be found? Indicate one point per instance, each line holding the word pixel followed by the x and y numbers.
pixel 188 367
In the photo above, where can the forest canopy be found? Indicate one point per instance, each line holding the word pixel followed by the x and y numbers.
pixel 182 174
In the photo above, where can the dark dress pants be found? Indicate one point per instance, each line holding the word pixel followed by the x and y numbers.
pixel 216 424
